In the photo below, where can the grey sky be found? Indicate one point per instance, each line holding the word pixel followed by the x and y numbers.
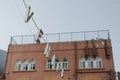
pixel 56 16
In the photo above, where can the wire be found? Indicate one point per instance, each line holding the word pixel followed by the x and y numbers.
pixel 44 39
pixel 34 21
pixel 32 17
pixel 24 3
pixel 22 16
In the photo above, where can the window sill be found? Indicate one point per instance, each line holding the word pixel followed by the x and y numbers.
pixel 91 70
pixel 53 70
pixel 24 71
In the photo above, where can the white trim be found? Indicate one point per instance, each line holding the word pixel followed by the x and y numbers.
pixel 90 63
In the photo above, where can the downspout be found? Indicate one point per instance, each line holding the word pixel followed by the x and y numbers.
pixel 86 50
pixel 75 56
pixel 118 75
pixel 107 52
pixel 94 49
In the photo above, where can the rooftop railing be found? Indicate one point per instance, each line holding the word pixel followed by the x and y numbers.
pixel 61 37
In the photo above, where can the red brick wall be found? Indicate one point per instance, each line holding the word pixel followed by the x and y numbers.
pixel 61 50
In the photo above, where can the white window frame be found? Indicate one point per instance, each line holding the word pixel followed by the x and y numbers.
pixel 65 64
pixel 32 65
pixel 18 65
pixel 98 62
pixel 82 63
pixel 57 61
pixel 48 64
pixel 25 65
pixel 90 62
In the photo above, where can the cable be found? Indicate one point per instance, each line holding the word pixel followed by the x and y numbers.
pixel 32 17
pixel 34 21
pixel 24 3
pixel 22 16
pixel 44 39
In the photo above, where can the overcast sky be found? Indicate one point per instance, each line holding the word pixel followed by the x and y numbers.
pixel 56 16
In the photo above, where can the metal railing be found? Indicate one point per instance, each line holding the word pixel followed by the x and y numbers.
pixel 61 37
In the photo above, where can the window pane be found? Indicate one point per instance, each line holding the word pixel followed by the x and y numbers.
pixel 25 65
pixel 56 62
pixel 65 64
pixel 82 62
pixel 90 62
pixel 98 62
pixel 49 65
pixel 18 65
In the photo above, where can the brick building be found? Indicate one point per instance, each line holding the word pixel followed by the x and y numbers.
pixel 2 62
pixel 82 59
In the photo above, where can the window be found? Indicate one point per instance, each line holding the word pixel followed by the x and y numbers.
pixel 65 64
pixel 56 63
pixel 49 65
pixel 82 62
pixel 25 65
pixel 90 62
pixel 98 62
pixel 32 65
pixel 18 65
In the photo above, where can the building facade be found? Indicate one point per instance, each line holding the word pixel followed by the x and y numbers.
pixel 2 62
pixel 81 60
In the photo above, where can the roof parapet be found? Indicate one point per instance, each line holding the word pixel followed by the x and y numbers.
pixel 61 37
